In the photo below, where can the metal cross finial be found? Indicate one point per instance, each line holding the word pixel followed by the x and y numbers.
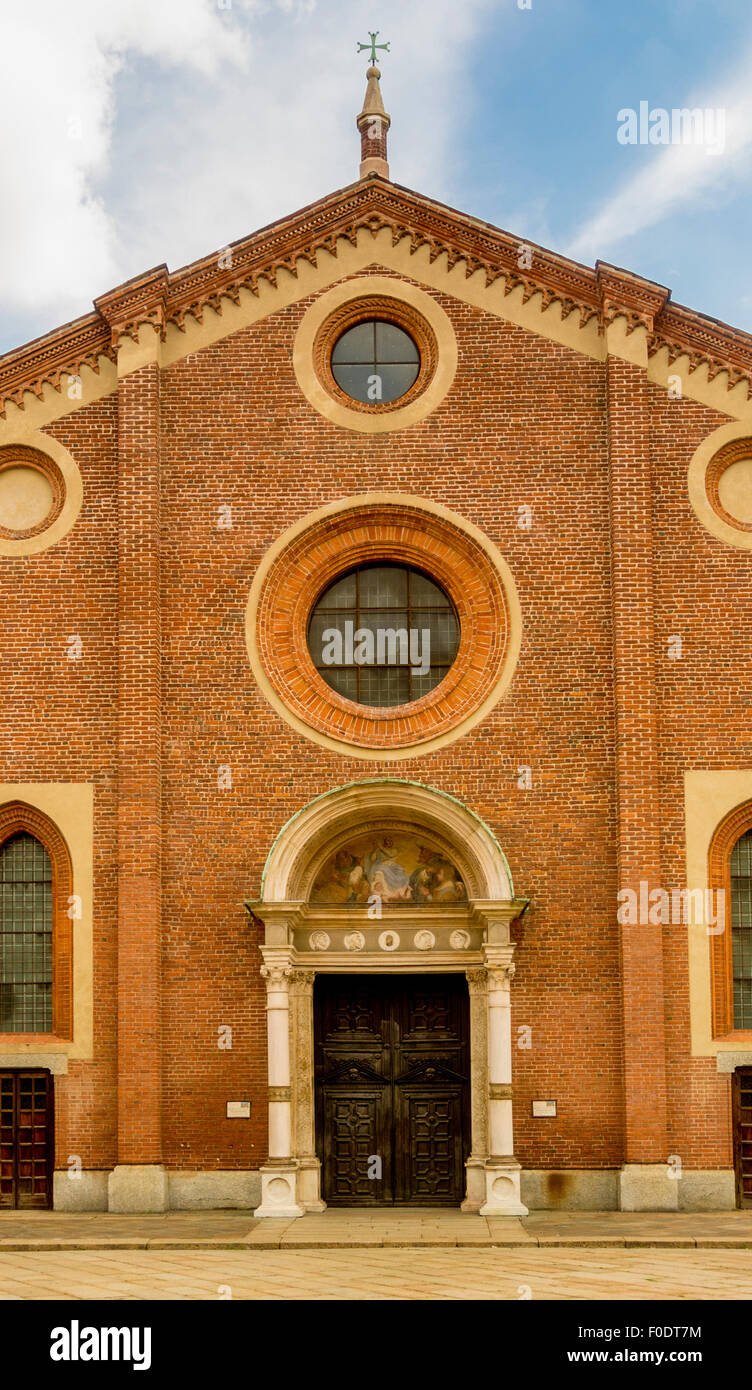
pixel 373 45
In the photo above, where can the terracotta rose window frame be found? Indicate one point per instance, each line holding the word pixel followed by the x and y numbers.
pixel 387 309
pixel 731 828
pixel 363 532
pixel 18 818
pixel 20 456
pixel 730 453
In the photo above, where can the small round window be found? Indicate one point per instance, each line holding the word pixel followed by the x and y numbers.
pixel 375 361
pixel 383 635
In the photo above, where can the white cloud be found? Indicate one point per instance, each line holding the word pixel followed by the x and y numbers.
pixel 144 132
pixel 680 175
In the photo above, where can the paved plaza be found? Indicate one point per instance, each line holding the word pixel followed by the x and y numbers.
pixel 379 1254
pixel 363 1273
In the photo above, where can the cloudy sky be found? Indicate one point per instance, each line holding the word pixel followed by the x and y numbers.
pixel 142 131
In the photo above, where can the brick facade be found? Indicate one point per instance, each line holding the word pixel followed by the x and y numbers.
pixel 163 698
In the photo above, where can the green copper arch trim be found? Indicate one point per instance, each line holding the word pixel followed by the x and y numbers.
pixel 394 782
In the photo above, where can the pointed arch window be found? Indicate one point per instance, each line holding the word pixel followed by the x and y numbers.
pixel 35 925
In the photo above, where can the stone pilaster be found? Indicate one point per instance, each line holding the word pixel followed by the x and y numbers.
pixel 303 1135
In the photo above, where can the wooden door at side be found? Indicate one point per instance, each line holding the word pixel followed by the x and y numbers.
pixel 392 1089
pixel 742 1122
pixel 26 1139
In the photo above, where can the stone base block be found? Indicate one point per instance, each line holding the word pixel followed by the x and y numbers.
pixel 647 1187
pixel 570 1189
pixel 710 1189
pixel 84 1191
pixel 214 1190
pixel 138 1187
pixel 503 1190
pixel 279 1192
pixel 476 1185
pixel 309 1184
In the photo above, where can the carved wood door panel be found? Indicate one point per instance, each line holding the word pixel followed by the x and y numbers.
pixel 392 1102
pixel 742 1120
pixel 26 1139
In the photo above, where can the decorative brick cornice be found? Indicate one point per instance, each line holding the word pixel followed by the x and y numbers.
pixel 372 205
pixel 629 296
pixel 44 361
pixel 138 301
pixel 722 348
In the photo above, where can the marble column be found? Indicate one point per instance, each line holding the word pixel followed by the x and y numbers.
pixel 303 1123
pixel 502 1169
pixel 477 984
pixel 279 1175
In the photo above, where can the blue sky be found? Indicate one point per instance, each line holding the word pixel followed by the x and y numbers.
pixel 141 131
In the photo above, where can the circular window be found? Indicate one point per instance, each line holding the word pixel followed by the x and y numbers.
pixel 375 361
pixel 383 635
pixel 337 602
pixel 32 493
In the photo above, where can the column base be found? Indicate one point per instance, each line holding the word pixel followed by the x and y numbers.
pixel 309 1184
pixel 279 1191
pixel 475 1169
pixel 138 1187
pixel 502 1194
pixel 647 1187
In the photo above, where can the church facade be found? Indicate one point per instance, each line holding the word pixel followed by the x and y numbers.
pixel 376 786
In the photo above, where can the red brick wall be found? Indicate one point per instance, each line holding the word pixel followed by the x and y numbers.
pixel 58 723
pixel 525 423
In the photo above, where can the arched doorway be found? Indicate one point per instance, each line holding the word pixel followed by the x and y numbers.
pixel 391 881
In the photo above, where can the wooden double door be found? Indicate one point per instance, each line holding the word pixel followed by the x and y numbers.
pixel 26 1139
pixel 392 1070
pixel 742 1120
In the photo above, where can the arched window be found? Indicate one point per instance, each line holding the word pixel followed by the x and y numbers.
pixel 730 878
pixel 741 929
pixel 25 936
pixel 36 912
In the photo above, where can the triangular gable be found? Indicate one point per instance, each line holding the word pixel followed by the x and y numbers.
pixel 374 222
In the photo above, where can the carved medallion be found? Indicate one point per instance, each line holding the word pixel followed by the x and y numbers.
pixel 459 940
pixel 424 940
pixel 355 941
pixel 389 941
pixel 319 941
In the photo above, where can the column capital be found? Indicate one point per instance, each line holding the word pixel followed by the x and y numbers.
pixel 301 981
pixel 499 965
pixel 277 968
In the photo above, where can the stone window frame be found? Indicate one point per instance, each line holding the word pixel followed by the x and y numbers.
pixel 372 530
pixel 735 824
pixel 17 817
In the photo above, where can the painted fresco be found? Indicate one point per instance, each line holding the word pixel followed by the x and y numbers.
pixel 394 867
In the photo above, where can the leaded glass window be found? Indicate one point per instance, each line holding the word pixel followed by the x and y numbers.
pixel 741 929
pixel 25 936
pixel 383 635
pixel 375 361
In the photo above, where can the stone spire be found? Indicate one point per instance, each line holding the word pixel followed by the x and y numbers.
pixel 373 124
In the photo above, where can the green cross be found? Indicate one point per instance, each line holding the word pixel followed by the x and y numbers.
pixel 373 45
